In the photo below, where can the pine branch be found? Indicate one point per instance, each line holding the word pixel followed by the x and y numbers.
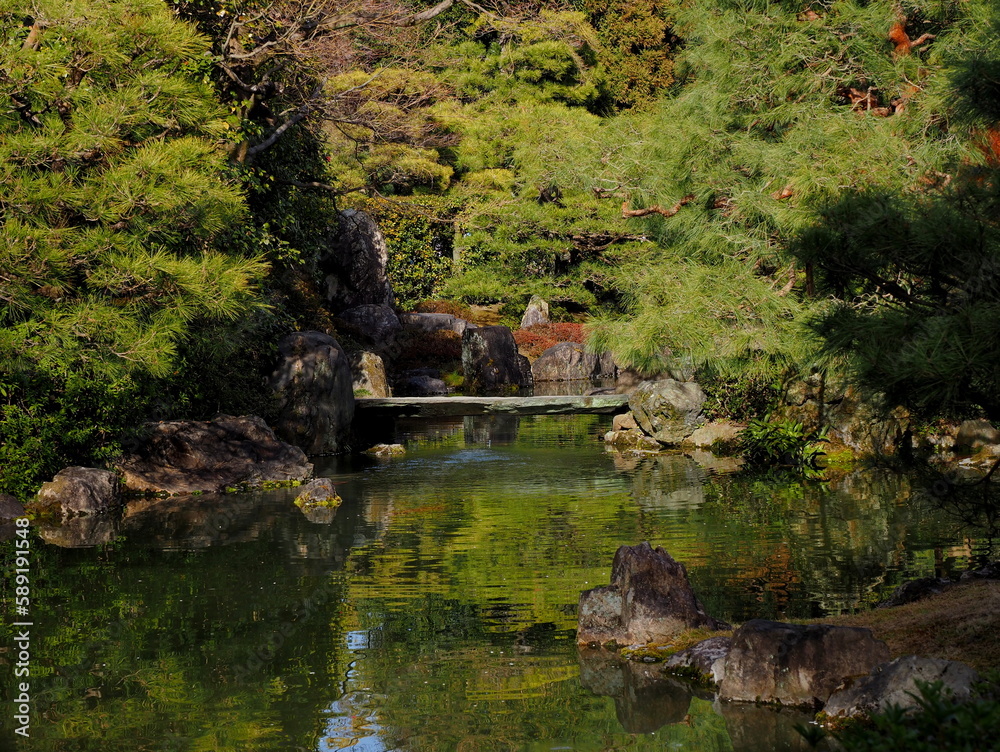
pixel 656 208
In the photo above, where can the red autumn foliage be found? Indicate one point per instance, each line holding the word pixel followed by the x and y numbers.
pixel 536 339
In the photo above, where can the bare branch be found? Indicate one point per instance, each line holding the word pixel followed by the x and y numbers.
pixel 656 208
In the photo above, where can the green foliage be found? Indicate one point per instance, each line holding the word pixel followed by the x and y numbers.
pixel 766 443
pixel 940 722
pixel 741 397
pixel 419 237
pixel 115 192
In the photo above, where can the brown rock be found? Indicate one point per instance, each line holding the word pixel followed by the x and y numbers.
pixel 184 456
pixel 81 490
pixel 649 600
pixel 794 664
pixel 623 422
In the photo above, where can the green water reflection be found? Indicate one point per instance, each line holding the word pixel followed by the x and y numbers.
pixel 436 611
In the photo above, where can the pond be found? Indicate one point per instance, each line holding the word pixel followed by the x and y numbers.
pixel 436 609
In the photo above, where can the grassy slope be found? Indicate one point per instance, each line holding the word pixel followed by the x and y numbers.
pixel 960 624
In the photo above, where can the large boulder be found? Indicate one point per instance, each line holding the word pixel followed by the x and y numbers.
pixel 895 683
pixel 378 323
pixel 80 491
pixel 795 664
pixel 649 600
pixel 368 378
pixel 570 361
pixel 537 312
pixel 668 410
pixel 315 393
pixel 354 270
pixel 184 456
pixel 490 359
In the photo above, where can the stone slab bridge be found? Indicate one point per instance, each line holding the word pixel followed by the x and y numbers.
pixel 441 407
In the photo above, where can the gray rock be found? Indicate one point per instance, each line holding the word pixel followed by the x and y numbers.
pixel 895 683
pixel 975 434
pixel 378 323
pixel 649 600
pixel 354 270
pixel 419 383
pixel 537 312
pixel 915 590
pixel 720 434
pixel 794 664
pixel 435 322
pixel 708 658
pixel 989 571
pixel 315 393
pixel 10 508
pixel 368 377
pixel 81 491
pixel 184 456
pixel 490 359
pixel 570 361
pixel 318 500
pixel 668 410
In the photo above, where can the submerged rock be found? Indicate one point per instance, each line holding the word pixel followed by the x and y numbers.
pixel 386 450
pixel 895 683
pixel 80 491
pixel 668 410
pixel 184 456
pixel 649 600
pixel 794 664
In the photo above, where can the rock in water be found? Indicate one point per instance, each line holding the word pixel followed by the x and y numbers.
pixel 355 268
pixel 649 600
pixel 368 375
pixel 490 359
pixel 183 456
pixel 793 664
pixel 537 312
pixel 895 683
pixel 81 490
pixel 668 410
pixel 569 361
pixel 315 393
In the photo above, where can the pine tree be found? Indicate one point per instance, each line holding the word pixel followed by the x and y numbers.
pixel 115 191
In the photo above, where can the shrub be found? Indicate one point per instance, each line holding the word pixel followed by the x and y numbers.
pixel 536 339
pixel 765 443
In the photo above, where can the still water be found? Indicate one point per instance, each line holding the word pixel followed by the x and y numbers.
pixel 436 608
